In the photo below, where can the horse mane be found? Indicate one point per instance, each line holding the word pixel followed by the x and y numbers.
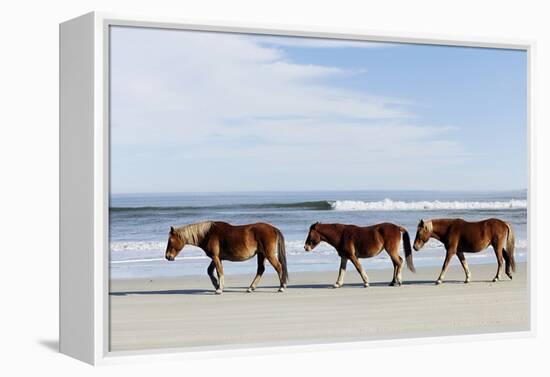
pixel 429 225
pixel 194 233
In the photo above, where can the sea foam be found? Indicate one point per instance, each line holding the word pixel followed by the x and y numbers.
pixel 393 205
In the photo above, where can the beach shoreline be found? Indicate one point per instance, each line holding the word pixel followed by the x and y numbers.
pixel 184 312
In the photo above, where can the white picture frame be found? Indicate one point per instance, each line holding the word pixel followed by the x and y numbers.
pixel 84 179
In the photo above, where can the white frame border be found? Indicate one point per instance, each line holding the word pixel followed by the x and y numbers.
pixel 102 23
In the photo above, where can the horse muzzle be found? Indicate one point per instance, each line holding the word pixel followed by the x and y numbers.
pixel 307 248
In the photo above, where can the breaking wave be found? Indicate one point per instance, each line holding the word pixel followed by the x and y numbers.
pixel 392 205
pixel 339 205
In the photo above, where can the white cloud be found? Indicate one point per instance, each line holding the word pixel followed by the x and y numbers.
pixel 221 97
pixel 182 78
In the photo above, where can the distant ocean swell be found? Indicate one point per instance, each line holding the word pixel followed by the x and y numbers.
pixel 344 205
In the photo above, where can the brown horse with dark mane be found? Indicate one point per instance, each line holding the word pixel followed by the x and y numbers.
pixel 353 242
pixel 461 237
pixel 236 243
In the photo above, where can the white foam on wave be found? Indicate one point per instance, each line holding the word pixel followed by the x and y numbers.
pixel 147 260
pixel 396 205
pixel 137 245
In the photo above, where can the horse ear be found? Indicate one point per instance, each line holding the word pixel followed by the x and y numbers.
pixel 172 230
pixel 421 223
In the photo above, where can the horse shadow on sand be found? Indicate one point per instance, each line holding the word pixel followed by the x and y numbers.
pixel 273 288
pixel 165 292
pixel 376 284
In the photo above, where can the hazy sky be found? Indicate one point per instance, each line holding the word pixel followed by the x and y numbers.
pixel 197 111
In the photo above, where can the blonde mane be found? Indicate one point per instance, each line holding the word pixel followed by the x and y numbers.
pixel 429 226
pixel 192 234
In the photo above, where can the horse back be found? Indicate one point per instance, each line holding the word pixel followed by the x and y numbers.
pixel 474 236
pixel 370 240
pixel 243 240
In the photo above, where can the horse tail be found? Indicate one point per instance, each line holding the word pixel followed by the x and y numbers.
pixel 281 255
pixel 510 246
pixel 407 248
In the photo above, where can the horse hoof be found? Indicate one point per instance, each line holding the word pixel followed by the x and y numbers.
pixel 393 284
pixel 510 276
pixel 438 282
pixel 249 290
pixel 336 285
pixel 366 285
pixel 495 280
pixel 467 281
pixel 281 289
pixel 219 291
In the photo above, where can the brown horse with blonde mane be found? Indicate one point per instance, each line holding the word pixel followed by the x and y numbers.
pixel 236 243
pixel 460 236
pixel 353 242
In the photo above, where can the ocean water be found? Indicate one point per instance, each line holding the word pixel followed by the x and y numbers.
pixel 139 225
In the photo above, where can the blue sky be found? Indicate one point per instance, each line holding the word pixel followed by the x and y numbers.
pixel 198 111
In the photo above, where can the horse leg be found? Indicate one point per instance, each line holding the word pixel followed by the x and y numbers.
pixel 450 253
pixel 500 258
pixel 210 271
pixel 462 259
pixel 277 266
pixel 259 273
pixel 359 269
pixel 219 270
pixel 341 273
pixel 397 267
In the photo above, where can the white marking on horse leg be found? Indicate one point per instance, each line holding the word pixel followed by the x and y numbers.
pixel 444 268
pixel 441 277
pixel 499 271
pixel 339 281
pixel 365 278
pixel 467 271
pixel 254 283
pixel 341 273
pixel 221 284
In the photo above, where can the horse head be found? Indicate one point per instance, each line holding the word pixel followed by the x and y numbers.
pixel 175 244
pixel 423 234
pixel 313 238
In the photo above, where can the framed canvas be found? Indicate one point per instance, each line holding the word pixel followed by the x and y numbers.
pixel 228 189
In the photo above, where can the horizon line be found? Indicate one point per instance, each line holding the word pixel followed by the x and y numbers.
pixel 311 191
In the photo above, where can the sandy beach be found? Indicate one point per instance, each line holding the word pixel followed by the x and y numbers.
pixel 185 312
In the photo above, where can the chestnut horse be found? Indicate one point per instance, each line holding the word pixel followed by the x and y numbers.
pixel 236 243
pixel 461 237
pixel 353 242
